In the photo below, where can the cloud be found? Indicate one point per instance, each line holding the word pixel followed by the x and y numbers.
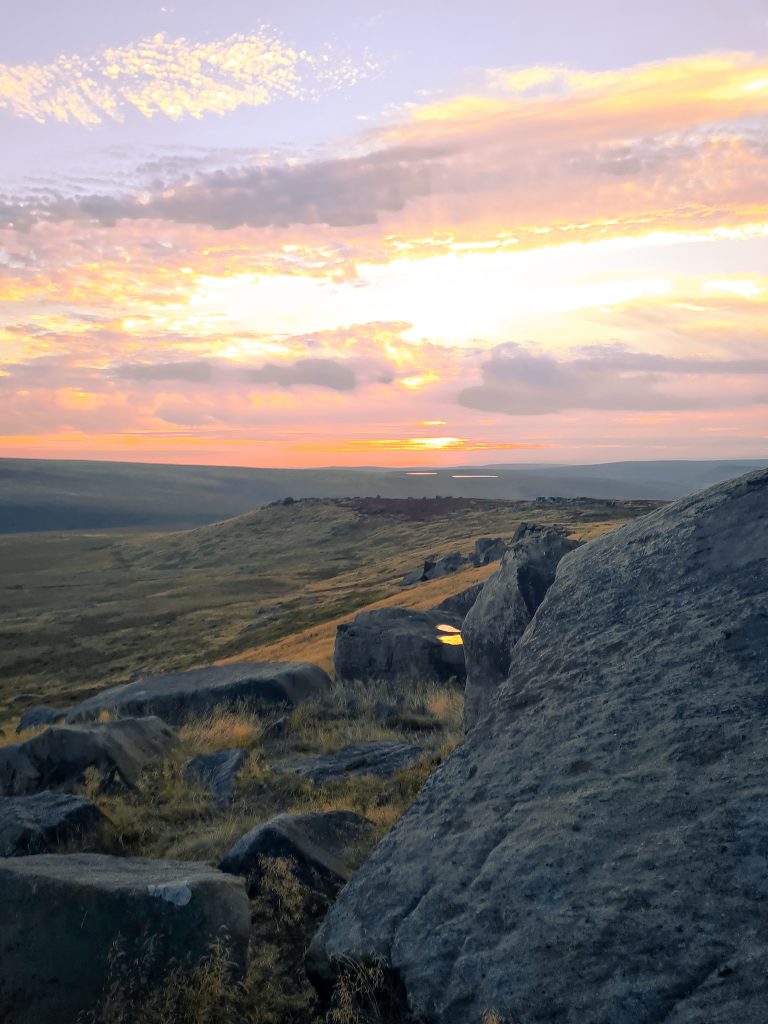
pixel 321 373
pixel 174 78
pixel 522 381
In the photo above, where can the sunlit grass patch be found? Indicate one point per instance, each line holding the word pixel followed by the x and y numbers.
pixel 222 730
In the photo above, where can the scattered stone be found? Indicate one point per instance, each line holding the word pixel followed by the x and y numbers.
pixel 595 849
pixel 50 822
pixel 373 757
pixel 398 645
pixel 37 716
pixel 62 916
pixel 324 848
pixel 461 603
pixel 181 695
pixel 488 549
pixel 59 757
pixel 504 608
pixel 435 568
pixel 217 772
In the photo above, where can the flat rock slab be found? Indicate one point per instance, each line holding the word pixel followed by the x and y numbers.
pixel 596 850
pixel 374 757
pixel 49 822
pixel 324 848
pixel 60 917
pixel 398 645
pixel 59 757
pixel 180 695
pixel 217 772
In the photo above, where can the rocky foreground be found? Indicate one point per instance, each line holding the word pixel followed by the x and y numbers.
pixel 597 849
pixel 594 852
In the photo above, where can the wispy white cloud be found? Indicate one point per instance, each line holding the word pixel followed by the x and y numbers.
pixel 174 78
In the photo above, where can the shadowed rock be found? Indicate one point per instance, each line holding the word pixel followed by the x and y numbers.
pixel 504 608
pixel 397 644
pixel 50 822
pixel 374 757
pixel 488 549
pixel 324 848
pixel 180 695
pixel 217 772
pixel 459 604
pixel 61 916
pixel 38 716
pixel 595 850
pixel 59 757
pixel 435 568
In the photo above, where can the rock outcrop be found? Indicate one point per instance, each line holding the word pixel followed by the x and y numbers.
pixel 503 609
pixel 37 716
pixel 459 604
pixel 435 568
pixel 323 847
pixel 488 549
pixel 61 917
pixel 217 772
pixel 372 757
pixel 597 847
pixel 59 757
pixel 50 823
pixel 398 645
pixel 180 695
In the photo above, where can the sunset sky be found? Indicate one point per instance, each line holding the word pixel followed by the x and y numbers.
pixel 346 233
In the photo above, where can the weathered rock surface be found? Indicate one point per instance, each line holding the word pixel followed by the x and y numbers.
pixel 488 549
pixel 60 917
pixel 459 604
pixel 180 695
pixel 435 568
pixel 50 822
pixel 37 716
pixel 504 608
pixel 397 644
pixel 217 772
pixel 597 848
pixel 59 757
pixel 373 757
pixel 324 848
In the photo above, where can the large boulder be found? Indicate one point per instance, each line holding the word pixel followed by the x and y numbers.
pixel 50 822
pixel 383 758
pixel 597 847
pixel 398 645
pixel 459 605
pixel 323 848
pixel 503 609
pixel 59 757
pixel 180 695
pixel 62 917
pixel 434 568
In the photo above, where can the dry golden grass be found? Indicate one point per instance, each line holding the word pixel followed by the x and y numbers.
pixel 221 731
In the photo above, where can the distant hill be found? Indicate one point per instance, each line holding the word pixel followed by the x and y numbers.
pixel 47 495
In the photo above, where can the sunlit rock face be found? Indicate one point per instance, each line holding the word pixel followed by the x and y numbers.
pixel 595 849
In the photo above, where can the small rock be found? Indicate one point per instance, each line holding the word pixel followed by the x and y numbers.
pixel 49 822
pixel 324 848
pixel 37 716
pixel 59 757
pixel 217 772
pixel 373 757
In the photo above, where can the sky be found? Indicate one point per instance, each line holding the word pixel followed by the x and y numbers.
pixel 419 233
